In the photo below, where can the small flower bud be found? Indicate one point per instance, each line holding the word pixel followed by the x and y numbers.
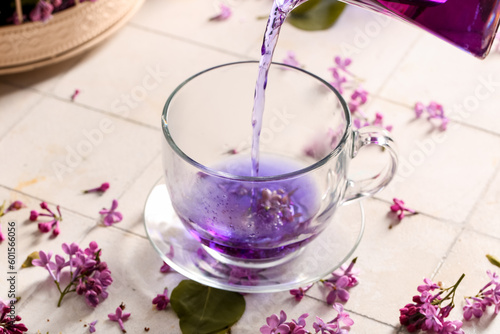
pixel 33 215
pixel 44 227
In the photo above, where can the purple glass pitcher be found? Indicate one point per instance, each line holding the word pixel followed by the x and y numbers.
pixel 468 24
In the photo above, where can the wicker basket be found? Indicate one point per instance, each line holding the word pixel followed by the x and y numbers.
pixel 68 33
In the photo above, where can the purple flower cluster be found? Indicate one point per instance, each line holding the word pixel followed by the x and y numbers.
pixel 277 206
pixel 342 279
pixel 42 10
pixel 89 276
pixel 8 321
pixel 339 325
pixel 52 224
pixel 434 111
pixel 427 312
pixel 489 295
pixel 343 77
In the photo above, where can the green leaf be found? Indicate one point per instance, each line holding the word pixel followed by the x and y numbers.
pixel 305 7
pixel 493 260
pixel 27 263
pixel 205 310
pixel 320 16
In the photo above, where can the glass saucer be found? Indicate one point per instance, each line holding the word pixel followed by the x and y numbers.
pixel 185 255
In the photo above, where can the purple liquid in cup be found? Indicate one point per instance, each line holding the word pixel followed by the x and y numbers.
pixel 252 220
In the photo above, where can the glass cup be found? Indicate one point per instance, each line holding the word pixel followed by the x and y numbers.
pixel 306 144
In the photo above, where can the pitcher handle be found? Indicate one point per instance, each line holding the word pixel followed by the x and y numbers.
pixel 362 188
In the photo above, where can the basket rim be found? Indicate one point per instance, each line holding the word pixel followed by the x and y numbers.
pixel 67 53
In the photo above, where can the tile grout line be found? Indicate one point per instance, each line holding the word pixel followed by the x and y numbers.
pixel 465 223
pixel 354 312
pixel 84 106
pixel 403 56
pixel 26 112
pixel 186 40
pixel 421 213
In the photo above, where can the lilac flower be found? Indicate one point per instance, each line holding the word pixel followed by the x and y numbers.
pixel 419 109
pixel 8 324
pixel 348 271
pixel 432 319
pixel 338 290
pixel 165 268
pixel 88 275
pixel 434 111
pixel 92 326
pixel 225 13
pixel 161 300
pixel 297 326
pixel 14 206
pixel 74 95
pixel 428 286
pixel 400 208
pixel 358 98
pixel 452 327
pixel 342 317
pixel 244 276
pixel 111 216
pixel 42 11
pixel 47 226
pixel 300 292
pixel 338 81
pixel 44 262
pixel 101 189
pixel 427 311
pixel 275 325
pixel 474 307
pixel 119 317
pixel 325 328
pixel 342 63
pixel 291 60
pixel 378 121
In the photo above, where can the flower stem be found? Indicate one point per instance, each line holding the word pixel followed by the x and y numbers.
pixel 453 290
pixel 66 290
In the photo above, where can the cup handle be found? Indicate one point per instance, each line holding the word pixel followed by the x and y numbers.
pixel 366 136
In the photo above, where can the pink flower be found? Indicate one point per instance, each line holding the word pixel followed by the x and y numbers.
pixel 434 111
pixel 474 308
pixel 400 208
pixel 275 325
pixel 338 290
pixel 111 216
pixel 225 13
pixel 300 292
pixel 101 189
pixel 15 206
pixel 161 300
pixel 291 60
pixel 119 317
